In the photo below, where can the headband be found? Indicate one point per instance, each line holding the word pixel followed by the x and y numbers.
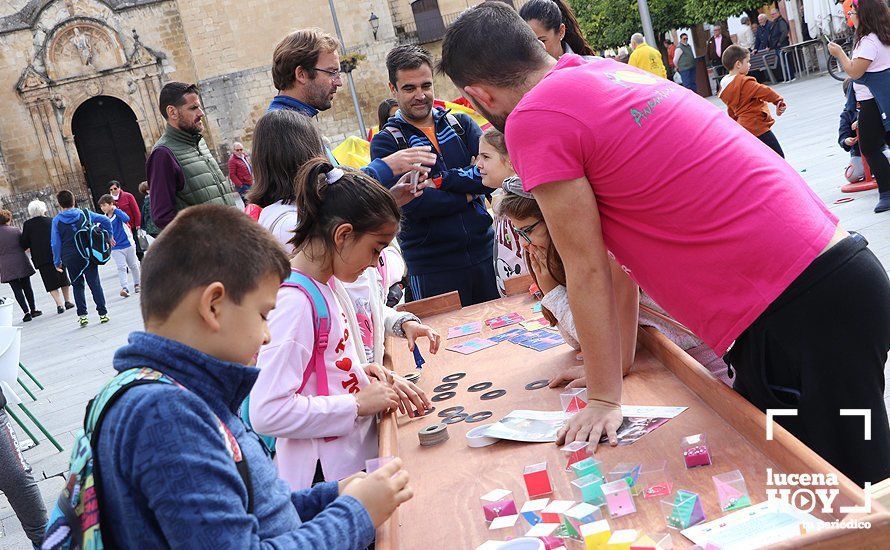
pixel 513 185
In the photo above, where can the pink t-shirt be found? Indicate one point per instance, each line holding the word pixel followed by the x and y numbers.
pixel 871 48
pixel 709 221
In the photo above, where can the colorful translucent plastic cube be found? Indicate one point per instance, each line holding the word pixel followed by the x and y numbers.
pixel 575 451
pixel 505 527
pixel 531 510
pixel 579 515
pixel 696 451
pixel 654 480
pixel 622 539
pixel 595 535
pixel 547 533
pixel 732 493
pixel 537 480
pixel 573 400
pixel 628 471
pixel 619 499
pixel 683 511
pixel 589 489
pixel 661 541
pixel 587 466
pixel 498 503
pixel 554 511
pixel 374 464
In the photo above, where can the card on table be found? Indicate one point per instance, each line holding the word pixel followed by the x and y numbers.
pixel 536 308
pixel 539 340
pixel 536 324
pixel 504 320
pixel 506 335
pixel 464 330
pixel 471 346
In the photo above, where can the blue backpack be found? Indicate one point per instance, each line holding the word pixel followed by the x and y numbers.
pixel 74 523
pixel 93 243
pixel 321 316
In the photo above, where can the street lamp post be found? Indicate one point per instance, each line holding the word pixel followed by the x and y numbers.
pixel 646 20
pixel 355 103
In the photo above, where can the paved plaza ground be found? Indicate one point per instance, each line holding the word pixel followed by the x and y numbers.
pixel 73 363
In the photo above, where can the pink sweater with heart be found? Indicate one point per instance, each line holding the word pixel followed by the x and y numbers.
pixel 304 421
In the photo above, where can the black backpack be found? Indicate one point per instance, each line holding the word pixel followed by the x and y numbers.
pixel 92 242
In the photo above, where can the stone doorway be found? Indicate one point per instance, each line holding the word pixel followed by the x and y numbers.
pixel 109 144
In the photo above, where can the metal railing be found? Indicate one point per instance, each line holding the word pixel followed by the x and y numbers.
pixel 17 203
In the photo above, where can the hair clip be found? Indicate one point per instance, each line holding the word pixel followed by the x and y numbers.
pixel 334 175
pixel 513 185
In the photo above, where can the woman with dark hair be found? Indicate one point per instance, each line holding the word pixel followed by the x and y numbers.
pixel 870 70
pixel 555 26
pixel 385 110
pixel 15 268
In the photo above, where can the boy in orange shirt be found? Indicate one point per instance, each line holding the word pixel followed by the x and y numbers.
pixel 746 99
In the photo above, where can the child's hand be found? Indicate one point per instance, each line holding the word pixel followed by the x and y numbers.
pixel 572 377
pixel 404 191
pixel 851 141
pixel 373 370
pixel 344 483
pixel 538 258
pixel 375 398
pixel 414 330
pixel 855 125
pixel 411 398
pixel 382 492
pixel 780 107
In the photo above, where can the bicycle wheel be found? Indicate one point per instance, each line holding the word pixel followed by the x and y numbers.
pixel 835 70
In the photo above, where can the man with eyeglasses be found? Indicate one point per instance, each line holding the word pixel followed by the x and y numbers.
pixel 127 202
pixel 240 170
pixel 306 73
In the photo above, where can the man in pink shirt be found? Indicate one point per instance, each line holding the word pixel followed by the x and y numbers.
pixel 721 232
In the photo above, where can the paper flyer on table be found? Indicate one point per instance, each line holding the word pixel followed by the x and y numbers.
pixel 757 526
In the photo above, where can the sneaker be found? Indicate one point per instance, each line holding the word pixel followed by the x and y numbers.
pixel 136 288
pixel 36 313
pixel 125 293
pixel 83 321
pixel 60 310
pixel 26 318
pixel 104 319
pixel 69 305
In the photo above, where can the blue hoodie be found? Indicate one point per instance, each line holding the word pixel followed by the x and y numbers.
pixel 65 225
pixel 441 230
pixel 378 169
pixel 168 481
pixel 118 219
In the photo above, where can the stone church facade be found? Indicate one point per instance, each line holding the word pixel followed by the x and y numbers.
pixel 79 79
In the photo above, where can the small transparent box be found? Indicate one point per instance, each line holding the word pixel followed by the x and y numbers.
pixel 537 480
pixel 587 466
pixel 589 489
pixel 554 511
pixel 576 451
pixel 654 481
pixel 579 515
pixel 619 499
pixel 498 503
pixel 661 541
pixel 622 539
pixel 595 535
pixel 374 464
pixel 683 511
pixel 546 532
pixel 531 510
pixel 732 493
pixel 505 527
pixel 626 470
pixel 696 451
pixel 573 400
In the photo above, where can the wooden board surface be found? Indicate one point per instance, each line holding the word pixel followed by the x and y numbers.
pixel 449 479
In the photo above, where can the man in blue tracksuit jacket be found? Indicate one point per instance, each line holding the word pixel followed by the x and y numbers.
pixel 447 238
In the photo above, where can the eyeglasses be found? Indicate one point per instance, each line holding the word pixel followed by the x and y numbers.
pixel 852 12
pixel 525 232
pixel 335 75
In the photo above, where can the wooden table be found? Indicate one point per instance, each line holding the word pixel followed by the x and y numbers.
pixel 448 479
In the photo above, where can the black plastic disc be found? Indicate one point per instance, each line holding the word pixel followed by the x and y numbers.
pixel 537 384
pixel 426 412
pixel 455 418
pixel 451 411
pixel 493 394
pixel 481 386
pixel 454 377
pixel 443 396
pixel 445 387
pixel 478 417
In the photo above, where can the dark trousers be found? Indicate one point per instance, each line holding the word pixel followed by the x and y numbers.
pixel 139 252
pixel 872 138
pixel 24 294
pixel 688 78
pixel 769 138
pixel 475 284
pixel 821 347
pixel 91 277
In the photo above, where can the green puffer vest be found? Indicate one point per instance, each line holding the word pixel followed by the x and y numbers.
pixel 687 59
pixel 204 181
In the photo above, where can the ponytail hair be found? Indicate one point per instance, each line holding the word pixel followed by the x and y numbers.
pixel 329 196
pixel 552 14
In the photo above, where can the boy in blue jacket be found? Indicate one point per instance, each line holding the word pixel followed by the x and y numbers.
pixel 447 237
pixel 167 478
pixel 123 252
pixel 66 256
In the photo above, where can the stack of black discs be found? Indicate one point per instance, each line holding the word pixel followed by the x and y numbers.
pixel 433 434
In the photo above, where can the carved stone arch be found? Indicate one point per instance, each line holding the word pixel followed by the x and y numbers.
pixel 82 46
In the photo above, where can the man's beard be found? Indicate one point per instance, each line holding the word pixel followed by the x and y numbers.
pixel 499 122
pixel 320 96
pixel 409 114
pixel 193 129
